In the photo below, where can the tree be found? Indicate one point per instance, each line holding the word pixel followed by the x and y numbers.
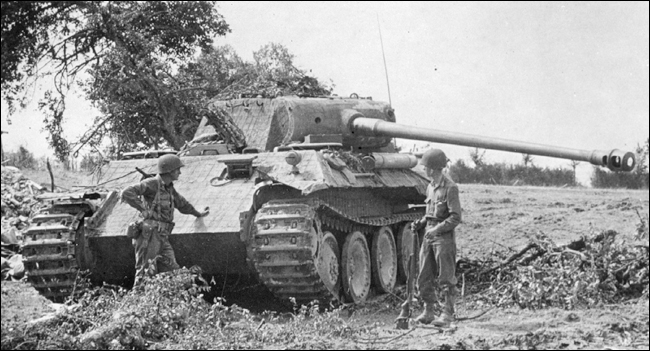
pixel 26 27
pixel 527 159
pixel 271 74
pixel 574 165
pixel 64 39
pixel 477 156
pixel 149 103
pixel 641 169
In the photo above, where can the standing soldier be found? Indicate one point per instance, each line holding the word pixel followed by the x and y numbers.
pixel 157 208
pixel 438 250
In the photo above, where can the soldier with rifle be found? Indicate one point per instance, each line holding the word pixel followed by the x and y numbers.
pixel 438 250
pixel 159 198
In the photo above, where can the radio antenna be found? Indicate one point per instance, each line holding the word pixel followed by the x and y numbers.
pixel 384 56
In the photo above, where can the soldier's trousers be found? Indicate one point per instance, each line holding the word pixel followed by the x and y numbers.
pixel 153 253
pixel 437 266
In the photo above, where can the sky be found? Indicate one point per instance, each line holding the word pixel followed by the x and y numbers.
pixel 558 73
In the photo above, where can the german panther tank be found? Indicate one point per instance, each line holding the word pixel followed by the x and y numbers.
pixel 306 194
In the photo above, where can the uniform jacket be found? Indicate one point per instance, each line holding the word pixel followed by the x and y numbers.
pixel 443 205
pixel 161 208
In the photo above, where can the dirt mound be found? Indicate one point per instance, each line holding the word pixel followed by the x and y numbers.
pixel 21 303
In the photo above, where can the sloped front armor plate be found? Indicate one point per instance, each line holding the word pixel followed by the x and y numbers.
pixel 225 202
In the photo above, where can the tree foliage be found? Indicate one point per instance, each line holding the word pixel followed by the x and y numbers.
pixel 152 103
pixel 63 39
pixel 477 156
pixel 139 65
pixel 527 159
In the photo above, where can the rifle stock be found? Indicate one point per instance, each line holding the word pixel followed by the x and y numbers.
pixel 405 314
pixel 145 175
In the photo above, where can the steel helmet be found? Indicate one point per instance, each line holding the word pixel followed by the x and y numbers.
pixel 434 159
pixel 168 163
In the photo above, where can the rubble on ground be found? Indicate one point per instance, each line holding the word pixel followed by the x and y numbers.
pixel 18 197
pixel 19 204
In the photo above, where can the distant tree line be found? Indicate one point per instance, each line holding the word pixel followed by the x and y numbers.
pixel 508 174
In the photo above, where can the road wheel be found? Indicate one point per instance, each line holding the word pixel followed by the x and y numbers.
pixel 329 264
pixel 404 250
pixel 356 267
pixel 384 260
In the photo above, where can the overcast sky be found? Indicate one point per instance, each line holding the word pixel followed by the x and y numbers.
pixel 560 73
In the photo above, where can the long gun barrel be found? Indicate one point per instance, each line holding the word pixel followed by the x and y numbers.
pixel 615 160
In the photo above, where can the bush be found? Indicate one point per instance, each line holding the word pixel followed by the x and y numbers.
pixel 22 158
pixel 603 178
pixel 169 311
pixel 89 162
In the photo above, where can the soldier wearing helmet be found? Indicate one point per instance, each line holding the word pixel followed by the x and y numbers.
pixel 155 198
pixel 438 249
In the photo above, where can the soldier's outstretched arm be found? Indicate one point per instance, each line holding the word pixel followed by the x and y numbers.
pixel 185 207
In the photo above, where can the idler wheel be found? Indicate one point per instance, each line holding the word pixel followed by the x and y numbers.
pixel 404 250
pixel 329 264
pixel 356 267
pixel 384 260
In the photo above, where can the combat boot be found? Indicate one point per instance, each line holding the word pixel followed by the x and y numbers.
pixel 447 316
pixel 444 320
pixel 428 315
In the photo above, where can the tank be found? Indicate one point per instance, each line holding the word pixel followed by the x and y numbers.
pixel 307 194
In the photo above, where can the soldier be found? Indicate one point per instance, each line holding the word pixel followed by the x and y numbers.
pixel 157 208
pixel 438 250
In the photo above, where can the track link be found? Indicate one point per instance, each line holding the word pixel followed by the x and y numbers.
pixel 49 254
pixel 285 251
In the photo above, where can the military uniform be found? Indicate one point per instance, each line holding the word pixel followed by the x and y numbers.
pixel 157 206
pixel 438 250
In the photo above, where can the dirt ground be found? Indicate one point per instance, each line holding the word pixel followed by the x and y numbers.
pixel 495 218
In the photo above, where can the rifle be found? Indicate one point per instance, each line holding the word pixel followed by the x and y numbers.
pixel 145 175
pixel 402 321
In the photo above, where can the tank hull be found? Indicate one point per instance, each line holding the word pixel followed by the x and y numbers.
pixel 216 253
pixel 231 239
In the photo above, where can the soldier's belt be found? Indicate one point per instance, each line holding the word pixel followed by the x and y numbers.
pixel 162 227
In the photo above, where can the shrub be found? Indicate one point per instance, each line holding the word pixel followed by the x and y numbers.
pixel 169 311
pixel 22 158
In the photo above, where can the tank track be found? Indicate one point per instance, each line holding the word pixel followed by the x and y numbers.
pixel 49 254
pixel 285 243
